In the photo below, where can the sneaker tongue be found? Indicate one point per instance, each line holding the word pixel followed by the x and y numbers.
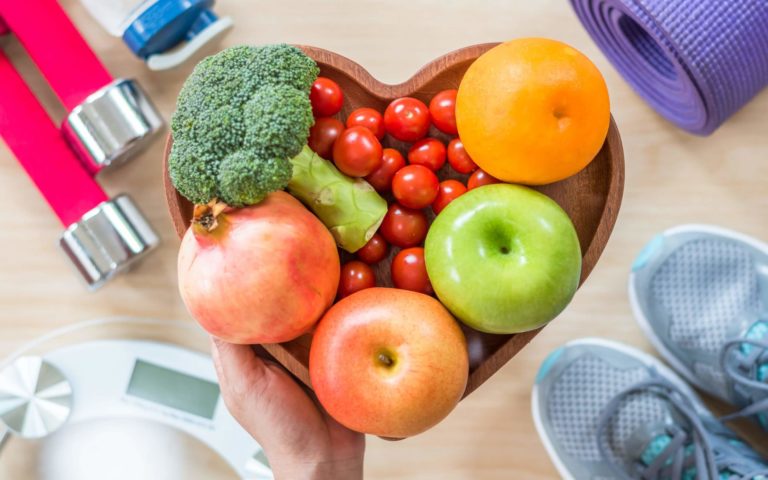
pixel 654 449
pixel 660 442
pixel 758 331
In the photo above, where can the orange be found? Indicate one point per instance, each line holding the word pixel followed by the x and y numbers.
pixel 532 111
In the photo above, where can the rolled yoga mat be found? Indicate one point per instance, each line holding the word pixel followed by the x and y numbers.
pixel 695 61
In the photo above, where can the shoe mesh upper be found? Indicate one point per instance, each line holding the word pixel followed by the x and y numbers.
pixel 704 286
pixel 579 397
pixel 647 410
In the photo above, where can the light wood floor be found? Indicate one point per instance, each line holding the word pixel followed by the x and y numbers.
pixel 672 178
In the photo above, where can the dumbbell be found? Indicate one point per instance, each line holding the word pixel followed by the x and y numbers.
pixel 108 121
pixel 102 236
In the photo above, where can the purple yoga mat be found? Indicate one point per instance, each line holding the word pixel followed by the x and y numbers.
pixel 695 61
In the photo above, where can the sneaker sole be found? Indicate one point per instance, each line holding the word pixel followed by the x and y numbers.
pixel 643 357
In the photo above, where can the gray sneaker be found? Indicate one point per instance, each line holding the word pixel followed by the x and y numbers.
pixel 604 410
pixel 700 293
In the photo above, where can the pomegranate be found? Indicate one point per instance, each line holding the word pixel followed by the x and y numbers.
pixel 260 274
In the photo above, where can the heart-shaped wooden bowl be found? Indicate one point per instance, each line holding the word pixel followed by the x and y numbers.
pixel 591 198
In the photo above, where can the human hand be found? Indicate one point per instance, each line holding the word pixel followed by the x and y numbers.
pixel 300 440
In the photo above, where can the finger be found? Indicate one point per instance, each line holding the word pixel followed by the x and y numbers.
pixel 267 357
pixel 275 408
pixel 242 374
pixel 243 366
pixel 262 353
pixel 261 396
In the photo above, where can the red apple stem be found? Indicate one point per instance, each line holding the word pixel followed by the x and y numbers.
pixel 385 360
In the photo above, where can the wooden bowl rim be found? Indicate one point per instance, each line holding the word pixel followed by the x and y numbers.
pixel 394 90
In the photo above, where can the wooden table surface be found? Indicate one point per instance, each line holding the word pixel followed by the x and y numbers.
pixel 671 178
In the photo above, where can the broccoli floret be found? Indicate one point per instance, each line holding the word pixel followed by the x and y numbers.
pixel 222 131
pixel 220 79
pixel 193 172
pixel 283 64
pixel 210 124
pixel 245 179
pixel 230 78
pixel 277 121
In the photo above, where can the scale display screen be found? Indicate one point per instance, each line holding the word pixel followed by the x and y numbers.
pixel 174 389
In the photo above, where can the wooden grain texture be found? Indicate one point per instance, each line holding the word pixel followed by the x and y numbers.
pixel 591 198
pixel 671 178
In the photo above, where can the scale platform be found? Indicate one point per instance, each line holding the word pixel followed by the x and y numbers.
pixel 120 399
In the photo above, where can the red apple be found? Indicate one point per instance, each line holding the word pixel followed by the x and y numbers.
pixel 388 362
pixel 260 274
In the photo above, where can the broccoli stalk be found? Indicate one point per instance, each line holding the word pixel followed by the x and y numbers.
pixel 240 132
pixel 329 193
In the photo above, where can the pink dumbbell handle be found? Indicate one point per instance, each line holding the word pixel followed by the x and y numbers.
pixel 39 147
pixel 58 49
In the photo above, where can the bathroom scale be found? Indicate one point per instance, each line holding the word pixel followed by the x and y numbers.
pixel 120 399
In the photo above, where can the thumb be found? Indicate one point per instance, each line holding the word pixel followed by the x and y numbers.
pixel 242 374
pixel 261 396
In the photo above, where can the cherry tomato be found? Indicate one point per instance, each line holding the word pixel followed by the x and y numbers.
pixel 326 97
pixel 323 133
pixel 442 109
pixel 480 178
pixel 404 227
pixel 368 118
pixel 355 276
pixel 449 191
pixel 374 251
pixel 459 158
pixel 357 152
pixel 429 152
pixel 415 186
pixel 407 119
pixel 409 271
pixel 381 178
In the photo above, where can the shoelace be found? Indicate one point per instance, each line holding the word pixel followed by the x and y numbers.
pixel 744 373
pixel 686 450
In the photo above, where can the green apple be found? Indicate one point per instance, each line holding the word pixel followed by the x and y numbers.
pixel 503 258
